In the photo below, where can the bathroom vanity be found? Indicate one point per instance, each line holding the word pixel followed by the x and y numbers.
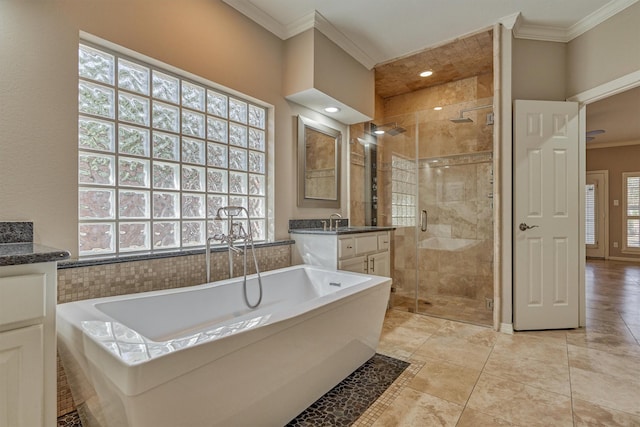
pixel 358 249
pixel 28 296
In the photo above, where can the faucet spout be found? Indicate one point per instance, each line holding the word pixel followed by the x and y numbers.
pixel 235 249
pixel 336 216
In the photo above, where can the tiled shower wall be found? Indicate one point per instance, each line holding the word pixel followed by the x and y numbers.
pixel 97 281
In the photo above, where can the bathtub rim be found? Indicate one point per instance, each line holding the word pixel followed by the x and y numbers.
pixel 136 378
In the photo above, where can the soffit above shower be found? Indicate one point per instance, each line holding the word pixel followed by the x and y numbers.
pixel 457 60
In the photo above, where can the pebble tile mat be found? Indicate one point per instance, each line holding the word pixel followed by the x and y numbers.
pixel 358 400
pixel 346 402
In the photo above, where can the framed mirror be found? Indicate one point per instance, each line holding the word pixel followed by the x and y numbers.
pixel 319 148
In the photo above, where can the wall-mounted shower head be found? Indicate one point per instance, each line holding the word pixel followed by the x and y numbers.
pixel 462 119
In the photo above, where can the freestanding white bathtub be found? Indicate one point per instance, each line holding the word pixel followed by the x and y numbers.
pixel 199 357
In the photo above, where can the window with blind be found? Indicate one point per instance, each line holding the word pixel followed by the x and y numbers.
pixel 159 153
pixel 590 215
pixel 631 213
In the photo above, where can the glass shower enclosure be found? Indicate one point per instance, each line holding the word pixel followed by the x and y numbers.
pixel 434 177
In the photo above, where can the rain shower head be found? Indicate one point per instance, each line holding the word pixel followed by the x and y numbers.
pixel 392 129
pixel 396 130
pixel 463 119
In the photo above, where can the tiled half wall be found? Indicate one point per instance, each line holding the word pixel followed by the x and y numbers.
pixel 97 281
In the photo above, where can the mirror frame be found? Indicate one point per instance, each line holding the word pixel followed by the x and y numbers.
pixel 304 201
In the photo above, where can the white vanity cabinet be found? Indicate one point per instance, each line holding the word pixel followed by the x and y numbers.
pixel 362 252
pixel 28 345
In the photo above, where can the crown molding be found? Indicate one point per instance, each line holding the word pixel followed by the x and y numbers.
pixel 326 28
pixel 301 25
pixel 565 35
pixel 256 14
pixel 598 17
pixel 521 29
pixel 311 20
pixel 511 22
pixel 540 32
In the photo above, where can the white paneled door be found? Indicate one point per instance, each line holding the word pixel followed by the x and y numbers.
pixel 546 215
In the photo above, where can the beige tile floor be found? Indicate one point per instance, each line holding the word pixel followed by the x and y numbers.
pixel 466 375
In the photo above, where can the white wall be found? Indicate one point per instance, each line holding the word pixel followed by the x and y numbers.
pixel 38 89
pixel 538 70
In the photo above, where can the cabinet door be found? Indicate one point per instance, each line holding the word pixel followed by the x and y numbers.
pixel 357 264
pixel 21 377
pixel 379 264
pixel 346 247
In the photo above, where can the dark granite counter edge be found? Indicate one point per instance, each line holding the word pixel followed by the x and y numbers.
pixel 29 253
pixel 88 262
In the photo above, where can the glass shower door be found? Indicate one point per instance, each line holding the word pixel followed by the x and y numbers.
pixel 438 195
pixel 397 179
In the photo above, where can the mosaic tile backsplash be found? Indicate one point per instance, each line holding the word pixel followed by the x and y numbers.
pixel 98 281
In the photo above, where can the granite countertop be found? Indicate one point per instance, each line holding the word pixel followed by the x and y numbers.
pixel 29 253
pixel 341 230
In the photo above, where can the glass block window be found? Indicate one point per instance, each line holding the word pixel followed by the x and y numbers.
pixel 631 213
pixel 159 154
pixel 403 191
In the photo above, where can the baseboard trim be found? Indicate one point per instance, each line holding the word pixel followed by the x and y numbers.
pixel 506 328
pixel 619 258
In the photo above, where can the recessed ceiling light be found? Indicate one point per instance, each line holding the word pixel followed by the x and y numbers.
pixel 332 109
pixel 426 73
pixel 378 132
pixel 437 108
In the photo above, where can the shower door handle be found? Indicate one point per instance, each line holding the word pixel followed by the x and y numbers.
pixel 423 220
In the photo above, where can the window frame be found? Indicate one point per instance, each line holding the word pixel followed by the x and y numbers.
pixel 625 216
pixel 122 53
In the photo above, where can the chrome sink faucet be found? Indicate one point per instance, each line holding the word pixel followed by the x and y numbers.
pixel 337 221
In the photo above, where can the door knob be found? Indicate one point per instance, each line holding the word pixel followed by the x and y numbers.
pixel 525 227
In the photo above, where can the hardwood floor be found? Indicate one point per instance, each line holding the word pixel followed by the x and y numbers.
pixel 613 297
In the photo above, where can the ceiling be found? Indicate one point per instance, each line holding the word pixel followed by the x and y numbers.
pixel 618 116
pixel 453 37
pixel 460 59
pixel 377 31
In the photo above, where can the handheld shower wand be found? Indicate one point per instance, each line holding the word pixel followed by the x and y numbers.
pixel 247 237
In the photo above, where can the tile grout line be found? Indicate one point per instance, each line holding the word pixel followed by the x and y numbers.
pixel 484 365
